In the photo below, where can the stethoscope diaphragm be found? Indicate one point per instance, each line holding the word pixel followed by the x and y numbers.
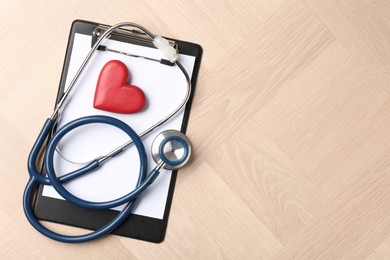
pixel 172 148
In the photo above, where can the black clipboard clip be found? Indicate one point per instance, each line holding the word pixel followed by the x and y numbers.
pixel 130 36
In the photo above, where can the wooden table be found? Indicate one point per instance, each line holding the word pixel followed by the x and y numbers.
pixel 290 127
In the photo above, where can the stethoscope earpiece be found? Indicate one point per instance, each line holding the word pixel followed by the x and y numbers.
pixel 172 148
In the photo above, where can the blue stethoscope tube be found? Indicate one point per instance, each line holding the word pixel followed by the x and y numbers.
pixel 143 181
pixel 36 178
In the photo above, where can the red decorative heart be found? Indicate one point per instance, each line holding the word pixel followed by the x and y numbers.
pixel 113 93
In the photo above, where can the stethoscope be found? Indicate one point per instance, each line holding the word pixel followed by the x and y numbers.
pixel 171 149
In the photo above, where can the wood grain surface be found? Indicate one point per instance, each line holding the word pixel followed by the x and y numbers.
pixel 290 127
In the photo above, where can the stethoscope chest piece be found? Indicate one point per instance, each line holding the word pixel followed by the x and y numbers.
pixel 172 148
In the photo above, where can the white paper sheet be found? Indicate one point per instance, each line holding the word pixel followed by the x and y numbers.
pixel 164 87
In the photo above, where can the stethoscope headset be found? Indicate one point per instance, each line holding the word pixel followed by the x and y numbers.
pixel 171 149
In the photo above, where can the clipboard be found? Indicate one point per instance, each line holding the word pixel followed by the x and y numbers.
pixel 140 226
